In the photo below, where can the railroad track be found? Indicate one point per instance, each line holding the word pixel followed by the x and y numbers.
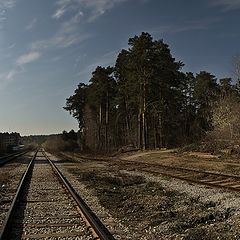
pixel 208 178
pixel 47 207
pixel 9 158
pixel 201 177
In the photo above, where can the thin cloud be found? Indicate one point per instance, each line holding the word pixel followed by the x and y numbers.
pixel 186 26
pixel 10 75
pixel 62 7
pixel 94 8
pixel 55 59
pixel 28 58
pixel 67 35
pixel 71 25
pixel 4 6
pixel 59 41
pixel 31 24
pixel 9 47
pixel 59 13
pixel 69 32
pixel 18 67
pixel 226 4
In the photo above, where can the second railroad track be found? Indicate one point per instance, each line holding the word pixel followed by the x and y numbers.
pixel 216 180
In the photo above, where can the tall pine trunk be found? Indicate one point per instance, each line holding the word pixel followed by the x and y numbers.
pixel 139 129
pixel 160 131
pixel 127 121
pixel 100 126
pixel 143 131
pixel 106 123
pixel 144 117
pixel 155 131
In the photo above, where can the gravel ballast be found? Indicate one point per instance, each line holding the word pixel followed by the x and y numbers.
pixel 45 210
pixel 11 174
pixel 138 205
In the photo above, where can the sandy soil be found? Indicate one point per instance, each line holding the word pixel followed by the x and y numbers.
pixel 195 160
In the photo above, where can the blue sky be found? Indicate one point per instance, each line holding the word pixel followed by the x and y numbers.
pixel 48 47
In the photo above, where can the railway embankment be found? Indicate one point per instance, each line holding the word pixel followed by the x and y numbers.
pixel 143 203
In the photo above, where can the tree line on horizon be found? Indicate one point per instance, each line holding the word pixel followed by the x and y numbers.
pixel 146 101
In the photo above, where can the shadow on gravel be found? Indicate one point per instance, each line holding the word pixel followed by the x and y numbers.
pixel 142 205
pixel 15 161
pixel 17 221
pixel 67 161
pixel 64 159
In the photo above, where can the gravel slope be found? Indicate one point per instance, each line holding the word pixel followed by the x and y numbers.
pixel 138 205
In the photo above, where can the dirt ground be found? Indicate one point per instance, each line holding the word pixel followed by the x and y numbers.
pixel 195 160
pixel 157 207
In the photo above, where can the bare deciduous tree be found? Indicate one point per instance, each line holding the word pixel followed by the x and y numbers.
pixel 226 118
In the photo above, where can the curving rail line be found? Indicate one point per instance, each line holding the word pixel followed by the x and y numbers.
pixel 47 206
pixel 212 179
pixel 201 177
pixel 208 178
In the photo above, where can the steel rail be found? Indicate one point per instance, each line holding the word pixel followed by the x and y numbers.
pixel 8 220
pixel 142 165
pixel 6 159
pixel 200 171
pixel 99 230
pixel 7 156
pixel 160 167
pixel 189 178
pixel 199 182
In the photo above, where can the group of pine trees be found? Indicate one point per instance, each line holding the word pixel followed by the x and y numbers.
pixel 146 100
